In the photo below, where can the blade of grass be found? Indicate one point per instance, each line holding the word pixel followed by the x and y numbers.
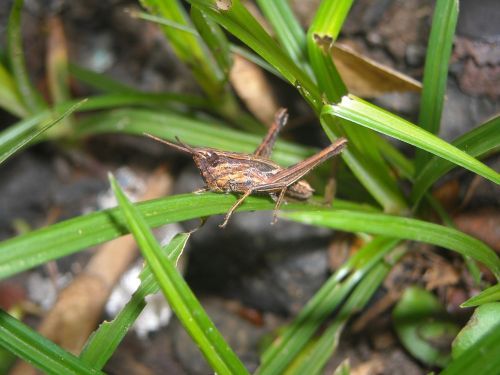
pixel 239 22
pixel 16 132
pixel 108 85
pixel 180 297
pixel 10 148
pixel 251 56
pixel 436 69
pixel 366 161
pixel 297 336
pixel 373 178
pixel 288 30
pixel 323 349
pixel 195 132
pixel 402 228
pixel 31 97
pixel 39 246
pixel 365 114
pixel 491 294
pixel 10 100
pixel 42 353
pixel 483 358
pixel 478 142
pixel 102 343
pixel 214 38
pixel 188 47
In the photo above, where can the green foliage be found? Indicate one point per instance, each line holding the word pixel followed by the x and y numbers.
pixel 302 58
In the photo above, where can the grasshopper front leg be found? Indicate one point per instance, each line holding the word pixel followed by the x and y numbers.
pixel 235 206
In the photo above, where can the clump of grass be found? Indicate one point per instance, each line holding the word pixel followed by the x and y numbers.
pixel 304 60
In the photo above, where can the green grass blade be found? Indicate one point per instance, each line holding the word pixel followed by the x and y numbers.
pixel 103 342
pixel 8 149
pixel 436 68
pixel 492 294
pixel 323 349
pixel 365 114
pixel 32 98
pixel 481 141
pixel 297 336
pixel 180 297
pixel 16 132
pixel 363 156
pixel 10 100
pixel 239 22
pixel 192 131
pixel 61 239
pixel 402 228
pixel 373 176
pixel 257 60
pixel 288 30
pixel 214 38
pixel 189 48
pixel 483 358
pixel 42 353
pixel 321 35
pixel 99 81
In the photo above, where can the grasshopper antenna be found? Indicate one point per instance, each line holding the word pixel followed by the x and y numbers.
pixel 181 146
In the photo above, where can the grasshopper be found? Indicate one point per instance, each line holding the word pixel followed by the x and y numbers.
pixel 232 172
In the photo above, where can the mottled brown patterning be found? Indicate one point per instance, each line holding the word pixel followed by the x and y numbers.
pixel 232 172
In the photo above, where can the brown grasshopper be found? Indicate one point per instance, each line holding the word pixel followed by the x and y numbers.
pixel 232 172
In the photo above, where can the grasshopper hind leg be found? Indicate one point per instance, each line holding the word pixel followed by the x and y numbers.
pixel 279 201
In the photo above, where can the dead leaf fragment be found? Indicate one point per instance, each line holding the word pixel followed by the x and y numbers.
pixel 367 78
pixel 251 85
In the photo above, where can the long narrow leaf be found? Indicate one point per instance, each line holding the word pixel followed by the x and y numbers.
pixel 323 349
pixel 39 351
pixel 288 30
pixel 10 100
pixel 483 358
pixel 481 141
pixel 295 338
pixel 491 294
pixel 436 68
pixel 365 114
pixel 214 38
pixel 192 131
pixel 239 22
pixel 39 246
pixel 403 228
pixel 32 98
pixel 188 47
pixel 102 343
pixel 10 148
pixel 180 297
pixel 363 156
